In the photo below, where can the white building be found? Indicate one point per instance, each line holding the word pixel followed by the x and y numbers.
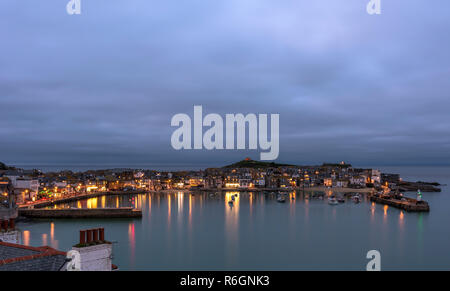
pixel 261 182
pixel 376 177
pixel 358 180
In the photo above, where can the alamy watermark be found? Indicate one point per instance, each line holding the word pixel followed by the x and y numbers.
pixel 74 259
pixel 374 7
pixel 74 7
pixel 375 260
pixel 213 138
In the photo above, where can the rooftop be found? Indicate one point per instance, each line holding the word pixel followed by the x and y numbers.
pixel 16 257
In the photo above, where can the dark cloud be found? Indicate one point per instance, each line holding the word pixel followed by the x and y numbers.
pixel 101 87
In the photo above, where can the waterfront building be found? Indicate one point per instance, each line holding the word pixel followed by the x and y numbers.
pixel 359 181
pixel 25 188
pixel 260 182
pixel 196 182
pixel 391 179
pixel 341 183
pixel 246 183
pixel 375 177
pixel 328 182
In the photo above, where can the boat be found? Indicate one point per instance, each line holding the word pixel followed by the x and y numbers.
pixel 281 199
pixel 332 201
pixel 356 198
pixel 341 200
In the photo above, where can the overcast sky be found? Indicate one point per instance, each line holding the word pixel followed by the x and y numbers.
pixel 100 88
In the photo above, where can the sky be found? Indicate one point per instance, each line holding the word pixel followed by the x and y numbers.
pixel 101 88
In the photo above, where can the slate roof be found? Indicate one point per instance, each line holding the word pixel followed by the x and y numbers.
pixel 15 257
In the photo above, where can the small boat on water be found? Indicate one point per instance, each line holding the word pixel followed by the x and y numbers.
pixel 332 201
pixel 341 200
pixel 281 199
pixel 356 198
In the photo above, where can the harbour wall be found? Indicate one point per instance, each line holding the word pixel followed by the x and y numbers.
pixel 124 212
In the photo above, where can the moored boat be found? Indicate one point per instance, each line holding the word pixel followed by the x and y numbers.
pixel 356 198
pixel 332 201
pixel 281 199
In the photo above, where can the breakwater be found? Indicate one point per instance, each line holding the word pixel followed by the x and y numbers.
pixel 42 204
pixel 123 212
pixel 408 204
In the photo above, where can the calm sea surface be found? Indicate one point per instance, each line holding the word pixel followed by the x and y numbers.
pixel 200 231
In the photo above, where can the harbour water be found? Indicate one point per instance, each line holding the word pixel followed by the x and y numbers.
pixel 201 231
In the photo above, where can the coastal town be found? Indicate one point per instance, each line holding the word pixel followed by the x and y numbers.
pixel 27 193
pixel 26 187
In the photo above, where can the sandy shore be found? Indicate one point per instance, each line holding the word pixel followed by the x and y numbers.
pixel 323 188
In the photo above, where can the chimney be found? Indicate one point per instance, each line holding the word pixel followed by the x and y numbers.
pixel 102 234
pixel 5 225
pixel 12 224
pixel 94 257
pixel 95 235
pixel 89 236
pixel 82 237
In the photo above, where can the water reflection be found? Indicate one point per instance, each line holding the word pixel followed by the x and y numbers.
pixel 190 211
pixel 250 202
pixel 401 219
pixel 92 203
pixel 132 242
pixel 372 209
pixel 26 237
pixel 180 198
pixel 232 219
pixel 44 239
pixel 232 201
pixel 169 209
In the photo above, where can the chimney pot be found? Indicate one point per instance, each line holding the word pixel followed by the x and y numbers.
pixel 102 234
pixel 89 235
pixel 12 224
pixel 95 235
pixel 5 225
pixel 82 237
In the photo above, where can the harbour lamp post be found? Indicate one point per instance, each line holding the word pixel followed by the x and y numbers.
pixel 419 195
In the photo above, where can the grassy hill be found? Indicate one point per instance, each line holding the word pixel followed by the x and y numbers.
pixel 247 163
pixel 5 167
pixel 335 165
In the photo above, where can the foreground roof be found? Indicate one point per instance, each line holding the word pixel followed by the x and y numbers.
pixel 15 257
